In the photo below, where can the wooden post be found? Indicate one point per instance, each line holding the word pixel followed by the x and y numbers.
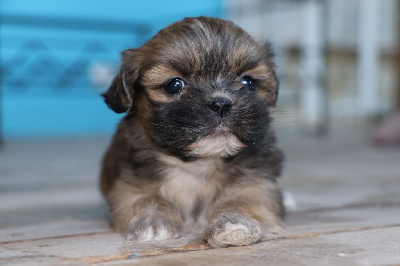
pixel 368 57
pixel 314 98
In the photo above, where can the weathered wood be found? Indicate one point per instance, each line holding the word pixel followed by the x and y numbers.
pixel 203 246
pixel 348 212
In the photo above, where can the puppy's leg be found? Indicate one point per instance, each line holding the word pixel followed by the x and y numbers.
pixel 230 227
pixel 142 215
pixel 155 222
pixel 249 210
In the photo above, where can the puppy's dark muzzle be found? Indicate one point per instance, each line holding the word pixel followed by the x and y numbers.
pixel 221 106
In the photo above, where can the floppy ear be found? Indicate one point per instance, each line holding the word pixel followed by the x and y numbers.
pixel 120 94
pixel 272 93
pixel 273 88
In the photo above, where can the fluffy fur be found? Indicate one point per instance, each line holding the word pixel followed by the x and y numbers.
pixel 179 165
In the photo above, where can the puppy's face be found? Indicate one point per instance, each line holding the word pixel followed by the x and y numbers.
pixel 200 87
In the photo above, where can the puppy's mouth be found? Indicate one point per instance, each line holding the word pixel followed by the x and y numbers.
pixel 221 142
pixel 191 130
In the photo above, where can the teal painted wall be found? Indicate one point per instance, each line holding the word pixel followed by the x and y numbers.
pixel 34 104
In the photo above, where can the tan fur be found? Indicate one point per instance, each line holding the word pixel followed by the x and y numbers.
pixel 219 144
pixel 184 184
pixel 189 184
pixel 126 201
pixel 153 80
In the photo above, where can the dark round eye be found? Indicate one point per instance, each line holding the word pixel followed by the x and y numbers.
pixel 174 86
pixel 249 83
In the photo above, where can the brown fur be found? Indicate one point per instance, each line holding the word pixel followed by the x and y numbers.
pixel 175 167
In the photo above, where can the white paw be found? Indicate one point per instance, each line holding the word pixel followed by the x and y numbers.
pixel 233 231
pixel 151 233
pixel 238 234
pixel 148 227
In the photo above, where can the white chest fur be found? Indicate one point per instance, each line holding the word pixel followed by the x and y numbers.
pixel 190 183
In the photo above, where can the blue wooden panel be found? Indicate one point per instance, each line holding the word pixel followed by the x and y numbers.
pixel 49 48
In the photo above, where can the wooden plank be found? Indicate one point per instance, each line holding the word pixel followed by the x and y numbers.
pixel 41 199
pixel 13 257
pixel 204 246
pixel 108 247
pixel 57 229
pixel 343 248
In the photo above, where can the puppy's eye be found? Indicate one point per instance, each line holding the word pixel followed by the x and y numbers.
pixel 174 86
pixel 249 83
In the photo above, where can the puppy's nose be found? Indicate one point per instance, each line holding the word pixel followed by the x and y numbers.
pixel 221 106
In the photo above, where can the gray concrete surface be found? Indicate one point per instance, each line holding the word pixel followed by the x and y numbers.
pixel 347 212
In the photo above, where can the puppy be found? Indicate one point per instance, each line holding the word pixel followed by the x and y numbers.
pixel 195 152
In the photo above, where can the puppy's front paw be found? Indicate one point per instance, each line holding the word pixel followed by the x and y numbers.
pixel 232 229
pixel 153 226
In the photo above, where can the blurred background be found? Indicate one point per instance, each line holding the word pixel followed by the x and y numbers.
pixel 58 56
pixel 337 60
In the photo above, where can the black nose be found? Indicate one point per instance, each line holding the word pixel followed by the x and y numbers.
pixel 221 106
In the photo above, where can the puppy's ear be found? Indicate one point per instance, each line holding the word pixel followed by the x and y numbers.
pixel 119 96
pixel 273 88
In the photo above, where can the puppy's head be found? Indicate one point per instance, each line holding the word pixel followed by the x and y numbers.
pixel 200 87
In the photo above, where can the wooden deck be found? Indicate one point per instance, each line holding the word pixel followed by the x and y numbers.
pixel 346 192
